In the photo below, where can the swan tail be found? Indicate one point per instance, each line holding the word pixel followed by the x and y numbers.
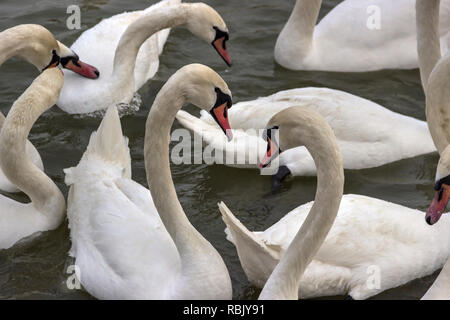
pixel 257 259
pixel 108 141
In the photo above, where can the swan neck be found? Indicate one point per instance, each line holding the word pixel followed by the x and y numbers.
pixel 428 38
pixel 169 100
pixel 15 163
pixel 296 38
pixel 138 32
pixel 284 281
pixel 10 45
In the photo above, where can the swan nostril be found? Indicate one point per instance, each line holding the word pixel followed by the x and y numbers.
pixel 428 219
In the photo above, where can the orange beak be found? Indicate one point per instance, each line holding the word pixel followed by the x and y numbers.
pixel 220 114
pixel 438 205
pixel 221 48
pixel 84 69
pixel 272 151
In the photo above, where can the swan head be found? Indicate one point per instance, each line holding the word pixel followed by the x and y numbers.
pixel 290 128
pixel 208 91
pixel 442 187
pixel 205 23
pixel 42 50
pixel 70 60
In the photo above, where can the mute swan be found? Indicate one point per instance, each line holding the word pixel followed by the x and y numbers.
pixel 126 244
pixel 348 38
pixel 435 74
pixel 368 134
pixel 37 45
pixel 47 207
pixel 369 237
pixel 126 49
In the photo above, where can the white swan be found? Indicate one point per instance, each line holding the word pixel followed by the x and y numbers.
pixel 348 38
pixel 123 247
pixel 36 45
pixel 126 49
pixel 368 235
pixel 47 207
pixel 435 74
pixel 368 134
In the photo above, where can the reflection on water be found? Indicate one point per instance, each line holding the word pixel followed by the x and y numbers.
pixel 36 268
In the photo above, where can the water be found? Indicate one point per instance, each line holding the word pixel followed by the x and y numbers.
pixel 37 268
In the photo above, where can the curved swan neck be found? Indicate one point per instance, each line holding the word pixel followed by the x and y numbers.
pixel 139 31
pixel 296 38
pixel 437 104
pixel 11 44
pixel 428 38
pixel 169 100
pixel 320 141
pixel 440 290
pixel 40 96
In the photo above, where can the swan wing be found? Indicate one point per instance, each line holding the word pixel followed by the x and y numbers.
pixel 120 243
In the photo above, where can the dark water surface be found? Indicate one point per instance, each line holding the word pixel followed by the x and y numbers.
pixel 37 268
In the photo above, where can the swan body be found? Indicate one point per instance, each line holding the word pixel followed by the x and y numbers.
pixel 340 44
pixel 118 239
pixel 367 234
pixel 132 243
pixel 47 207
pixel 126 49
pixel 368 134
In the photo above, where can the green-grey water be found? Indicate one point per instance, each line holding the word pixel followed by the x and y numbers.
pixel 37 268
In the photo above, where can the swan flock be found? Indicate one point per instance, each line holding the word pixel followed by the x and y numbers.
pixel 131 239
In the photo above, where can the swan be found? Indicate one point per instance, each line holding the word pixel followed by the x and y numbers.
pixel 435 74
pixel 37 45
pixel 368 237
pixel 126 49
pixel 368 134
pixel 132 243
pixel 341 44
pixel 47 207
